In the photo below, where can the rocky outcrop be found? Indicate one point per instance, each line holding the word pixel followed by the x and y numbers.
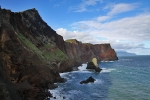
pixel 89 80
pixel 90 65
pixel 84 52
pixel 32 54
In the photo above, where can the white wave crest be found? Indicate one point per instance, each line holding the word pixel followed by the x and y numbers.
pixel 105 70
pixel 107 61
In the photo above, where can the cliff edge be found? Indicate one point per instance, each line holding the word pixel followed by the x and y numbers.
pixel 85 51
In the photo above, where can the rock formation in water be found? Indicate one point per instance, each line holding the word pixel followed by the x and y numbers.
pixel 94 60
pixel 90 65
pixel 93 65
pixel 89 80
pixel 32 54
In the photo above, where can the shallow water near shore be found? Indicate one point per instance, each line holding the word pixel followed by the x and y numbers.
pixel 125 79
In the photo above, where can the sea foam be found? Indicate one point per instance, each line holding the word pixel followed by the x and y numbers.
pixel 106 70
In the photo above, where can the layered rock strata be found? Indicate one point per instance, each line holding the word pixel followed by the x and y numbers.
pixel 84 52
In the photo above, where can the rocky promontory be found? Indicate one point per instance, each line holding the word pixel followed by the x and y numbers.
pixel 32 54
pixel 85 51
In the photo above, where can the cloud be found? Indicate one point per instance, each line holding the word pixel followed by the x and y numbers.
pixel 80 36
pixel 71 34
pixel 141 51
pixel 85 3
pixel 126 29
pixel 116 9
pixel 120 8
pixel 131 47
pixel 103 18
pixel 126 33
pixel 127 45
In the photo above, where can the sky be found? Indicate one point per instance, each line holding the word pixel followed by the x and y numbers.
pixel 125 24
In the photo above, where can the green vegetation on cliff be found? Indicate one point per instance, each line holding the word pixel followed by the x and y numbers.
pixel 71 40
pixel 49 51
pixel 30 45
pixel 52 52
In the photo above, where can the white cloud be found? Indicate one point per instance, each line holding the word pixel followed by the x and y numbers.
pixel 116 9
pixel 128 33
pixel 80 36
pixel 71 34
pixel 85 3
pixel 131 47
pixel 120 8
pixel 126 29
pixel 127 45
pixel 103 18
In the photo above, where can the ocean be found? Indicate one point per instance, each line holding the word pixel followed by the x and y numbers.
pixel 125 79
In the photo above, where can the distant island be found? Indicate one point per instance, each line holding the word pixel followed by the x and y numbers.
pixel 124 53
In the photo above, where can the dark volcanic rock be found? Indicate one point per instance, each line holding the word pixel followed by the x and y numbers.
pixel 97 69
pixel 90 65
pixel 89 80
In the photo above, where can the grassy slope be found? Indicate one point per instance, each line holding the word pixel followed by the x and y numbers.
pixel 56 54
pixel 71 40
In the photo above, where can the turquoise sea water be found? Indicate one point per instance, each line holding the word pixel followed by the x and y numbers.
pixel 125 79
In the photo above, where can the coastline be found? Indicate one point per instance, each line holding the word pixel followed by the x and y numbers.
pixel 57 92
pixel 32 55
pixel 124 71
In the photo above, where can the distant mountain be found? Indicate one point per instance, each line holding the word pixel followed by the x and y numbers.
pixel 124 53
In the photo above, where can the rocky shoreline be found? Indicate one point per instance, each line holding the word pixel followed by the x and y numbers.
pixel 32 55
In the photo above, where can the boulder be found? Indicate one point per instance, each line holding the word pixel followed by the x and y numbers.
pixel 89 80
pixel 97 69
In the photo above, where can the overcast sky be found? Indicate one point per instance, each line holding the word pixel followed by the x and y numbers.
pixel 125 24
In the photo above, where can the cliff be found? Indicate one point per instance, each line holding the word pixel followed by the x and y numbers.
pixel 32 54
pixel 28 49
pixel 84 52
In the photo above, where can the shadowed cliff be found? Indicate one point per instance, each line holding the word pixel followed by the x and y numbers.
pixel 32 54
pixel 28 48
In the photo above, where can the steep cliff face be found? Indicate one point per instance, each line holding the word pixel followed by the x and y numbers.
pixel 84 52
pixel 32 54
pixel 28 49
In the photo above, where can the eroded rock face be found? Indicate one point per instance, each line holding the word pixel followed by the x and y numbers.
pixel 85 52
pixel 24 71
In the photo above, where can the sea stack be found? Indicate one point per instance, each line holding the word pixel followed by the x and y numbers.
pixel 93 65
